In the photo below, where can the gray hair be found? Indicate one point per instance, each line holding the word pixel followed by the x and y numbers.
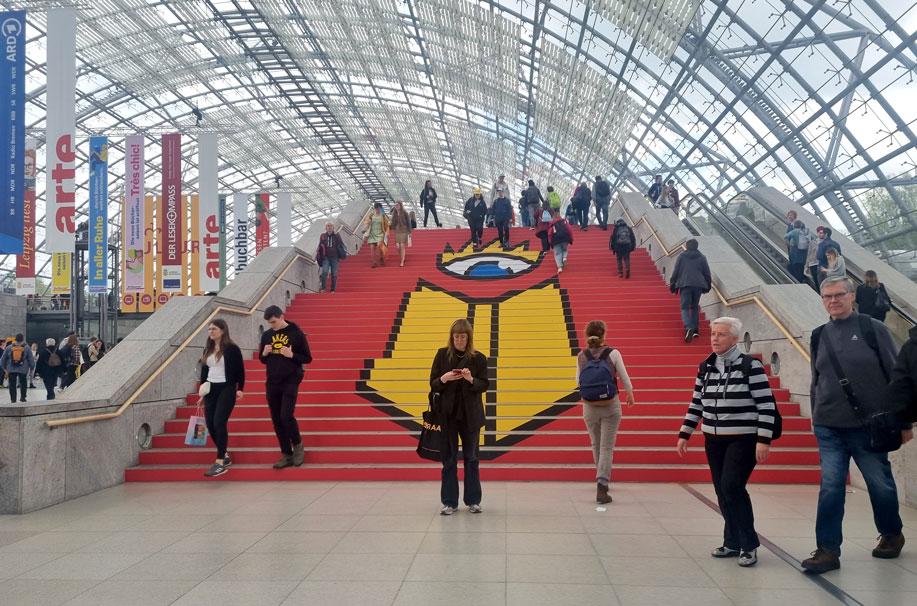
pixel 734 324
pixel 50 342
pixel 848 284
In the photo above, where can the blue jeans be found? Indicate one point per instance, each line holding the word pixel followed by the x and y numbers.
pixel 835 448
pixel 329 264
pixel 690 306
pixel 582 216
pixel 560 254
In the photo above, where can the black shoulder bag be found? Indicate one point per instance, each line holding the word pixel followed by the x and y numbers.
pixel 432 444
pixel 883 429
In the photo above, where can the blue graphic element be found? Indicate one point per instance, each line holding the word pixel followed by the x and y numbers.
pixel 12 131
pixel 488 270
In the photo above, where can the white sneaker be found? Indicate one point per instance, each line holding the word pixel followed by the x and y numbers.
pixel 446 510
pixel 748 558
pixel 475 508
pixel 724 552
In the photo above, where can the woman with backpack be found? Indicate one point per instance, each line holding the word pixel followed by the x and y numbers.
pixel 622 243
pixel 542 222
pixel 222 381
pixel 733 397
pixel 560 237
pixel 49 366
pixel 597 369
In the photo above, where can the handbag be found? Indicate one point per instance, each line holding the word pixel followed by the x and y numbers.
pixel 431 445
pixel 196 434
pixel 883 429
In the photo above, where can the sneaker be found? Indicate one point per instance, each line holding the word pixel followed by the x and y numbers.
pixel 215 470
pixel 694 334
pixel 889 546
pixel 724 552
pixel 285 461
pixel 821 561
pixel 446 510
pixel 299 454
pixel 227 460
pixel 689 334
pixel 475 508
pixel 748 558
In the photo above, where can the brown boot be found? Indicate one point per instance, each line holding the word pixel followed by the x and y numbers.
pixel 889 546
pixel 821 561
pixel 601 493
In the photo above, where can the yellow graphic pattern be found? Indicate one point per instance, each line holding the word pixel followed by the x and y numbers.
pixel 494 248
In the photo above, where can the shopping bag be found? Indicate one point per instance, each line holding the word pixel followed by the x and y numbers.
pixel 432 443
pixel 196 434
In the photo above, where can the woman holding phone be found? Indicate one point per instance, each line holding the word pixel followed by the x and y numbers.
pixel 459 376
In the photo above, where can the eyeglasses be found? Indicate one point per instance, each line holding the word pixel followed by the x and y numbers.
pixel 836 297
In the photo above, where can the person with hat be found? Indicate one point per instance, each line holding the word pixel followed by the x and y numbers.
pixel 475 212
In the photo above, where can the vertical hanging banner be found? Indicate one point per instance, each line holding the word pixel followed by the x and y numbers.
pixel 12 131
pixel 222 223
pixel 210 268
pixel 240 210
pixel 25 263
pixel 98 214
pixel 147 297
pixel 284 219
pixel 171 219
pixel 60 151
pixel 60 273
pixel 128 299
pixel 194 245
pixel 133 224
pixel 262 222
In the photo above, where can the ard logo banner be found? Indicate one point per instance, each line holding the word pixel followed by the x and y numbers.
pixel 521 318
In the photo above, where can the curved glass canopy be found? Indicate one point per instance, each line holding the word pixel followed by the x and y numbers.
pixel 335 100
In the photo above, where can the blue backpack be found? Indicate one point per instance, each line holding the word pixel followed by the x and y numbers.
pixel 596 381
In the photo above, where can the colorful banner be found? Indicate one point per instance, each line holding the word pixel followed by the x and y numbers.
pixel 132 225
pixel 194 245
pixel 60 273
pixel 128 299
pixel 60 151
pixel 98 214
pixel 171 220
pixel 147 303
pixel 12 131
pixel 240 210
pixel 222 258
pixel 25 263
pixel 210 268
pixel 262 222
pixel 284 219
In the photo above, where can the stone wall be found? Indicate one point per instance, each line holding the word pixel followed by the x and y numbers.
pixel 12 315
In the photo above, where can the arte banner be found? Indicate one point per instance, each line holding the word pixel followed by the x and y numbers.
pixel 210 267
pixel 222 223
pixel 262 222
pixel 98 214
pixel 133 224
pixel 60 273
pixel 12 131
pixel 240 210
pixel 284 219
pixel 60 151
pixel 25 263
pixel 147 302
pixel 172 217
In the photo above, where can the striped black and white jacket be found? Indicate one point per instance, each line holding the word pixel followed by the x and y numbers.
pixel 730 403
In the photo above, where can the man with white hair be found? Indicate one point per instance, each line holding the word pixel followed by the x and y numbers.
pixel 48 366
pixel 733 398
pixel 852 356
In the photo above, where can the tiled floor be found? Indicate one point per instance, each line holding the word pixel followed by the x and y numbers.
pixel 262 544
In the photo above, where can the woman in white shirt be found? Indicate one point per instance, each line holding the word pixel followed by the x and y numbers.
pixel 222 381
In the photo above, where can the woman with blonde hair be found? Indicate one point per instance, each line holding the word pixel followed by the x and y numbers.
pixel 401 226
pixel 459 377
pixel 375 227
pixel 597 370
pixel 222 382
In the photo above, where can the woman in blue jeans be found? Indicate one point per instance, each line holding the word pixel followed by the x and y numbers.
pixel 459 376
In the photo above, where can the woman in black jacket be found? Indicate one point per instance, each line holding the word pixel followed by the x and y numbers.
pixel 459 376
pixel 428 203
pixel 222 382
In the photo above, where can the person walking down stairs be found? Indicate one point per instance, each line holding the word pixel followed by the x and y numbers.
pixel 331 251
pixel 401 229
pixel 690 279
pixel 622 242
pixel 284 349
pixel 376 229
pixel 597 369
pixel 475 213
pixel 222 381
pixel 428 203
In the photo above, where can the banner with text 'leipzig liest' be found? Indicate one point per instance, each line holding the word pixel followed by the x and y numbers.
pixel 25 263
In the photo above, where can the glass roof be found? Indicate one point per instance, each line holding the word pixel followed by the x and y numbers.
pixel 366 99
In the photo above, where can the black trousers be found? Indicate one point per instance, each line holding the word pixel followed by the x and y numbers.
pixel 449 489
pixel 50 381
pixel 23 379
pixel 477 230
pixel 582 216
pixel 623 257
pixel 218 405
pixel 543 236
pixel 731 460
pixel 427 209
pixel 281 399
pixel 503 231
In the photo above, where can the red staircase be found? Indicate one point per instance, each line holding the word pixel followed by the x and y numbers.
pixel 374 339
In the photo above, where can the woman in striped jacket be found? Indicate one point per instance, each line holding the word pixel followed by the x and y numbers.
pixel 733 398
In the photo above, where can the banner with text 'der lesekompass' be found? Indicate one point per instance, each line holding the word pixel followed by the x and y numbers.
pixel 172 218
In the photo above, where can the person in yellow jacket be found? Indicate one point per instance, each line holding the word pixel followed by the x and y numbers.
pixel 553 198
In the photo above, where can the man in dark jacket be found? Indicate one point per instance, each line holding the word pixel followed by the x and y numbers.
pixel 329 254
pixel 690 279
pixel 17 361
pixel 533 202
pixel 284 349
pixel 428 203
pixel 824 243
pixel 503 215
pixel 475 212
pixel 602 201
pixel 622 243
pixel 655 189
pixel 48 367
pixel 903 387
pixel 582 200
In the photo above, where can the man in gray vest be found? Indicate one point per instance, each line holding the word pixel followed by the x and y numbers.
pixel 863 354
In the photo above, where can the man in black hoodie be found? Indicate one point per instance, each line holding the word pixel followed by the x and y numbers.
pixel 284 350
pixel 690 279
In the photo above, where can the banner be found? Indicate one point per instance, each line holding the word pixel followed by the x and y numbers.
pixel 210 267
pixel 171 220
pixel 222 223
pixel 147 302
pixel 262 222
pixel 133 223
pixel 194 245
pixel 129 300
pixel 284 219
pixel 25 263
pixel 12 131
pixel 98 214
pixel 60 273
pixel 60 151
pixel 240 210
